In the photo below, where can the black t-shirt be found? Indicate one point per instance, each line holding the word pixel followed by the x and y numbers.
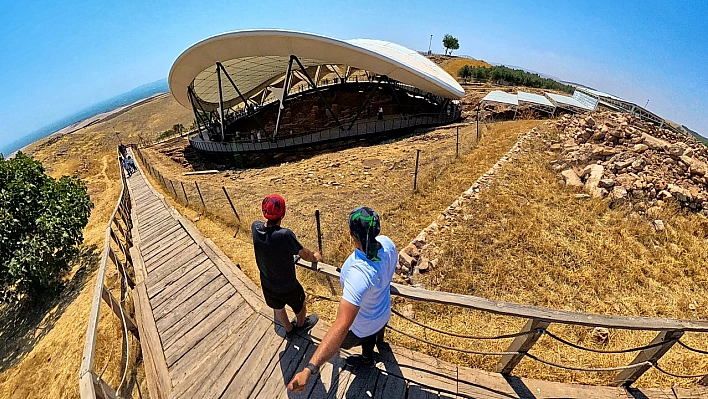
pixel 275 247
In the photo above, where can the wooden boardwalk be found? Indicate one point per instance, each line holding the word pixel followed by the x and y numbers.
pixel 206 332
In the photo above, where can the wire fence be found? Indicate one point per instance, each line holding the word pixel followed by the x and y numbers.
pixel 378 180
pixel 648 355
pixel 414 170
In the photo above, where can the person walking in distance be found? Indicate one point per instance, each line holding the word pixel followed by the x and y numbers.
pixel 379 115
pixel 365 307
pixel 275 248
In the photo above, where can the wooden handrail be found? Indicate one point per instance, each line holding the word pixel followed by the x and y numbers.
pixel 88 380
pixel 529 311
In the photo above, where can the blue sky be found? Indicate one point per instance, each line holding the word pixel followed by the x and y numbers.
pixel 60 57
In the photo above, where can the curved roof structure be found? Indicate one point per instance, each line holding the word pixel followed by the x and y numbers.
pixel 255 59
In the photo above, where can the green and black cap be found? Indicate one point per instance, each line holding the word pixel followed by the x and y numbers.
pixel 365 225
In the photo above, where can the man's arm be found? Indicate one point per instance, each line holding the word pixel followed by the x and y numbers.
pixel 310 256
pixel 330 343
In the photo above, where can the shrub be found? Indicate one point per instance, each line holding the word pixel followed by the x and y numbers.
pixel 41 224
pixel 165 134
pixel 504 75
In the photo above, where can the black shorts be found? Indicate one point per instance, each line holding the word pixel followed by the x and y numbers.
pixel 277 300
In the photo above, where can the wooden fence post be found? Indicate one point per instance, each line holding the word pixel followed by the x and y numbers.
pixel 629 376
pixel 116 307
pixel 200 195
pixel 521 344
pixel 185 193
pixel 415 177
pixel 457 143
pixel 478 123
pixel 233 208
pixel 173 189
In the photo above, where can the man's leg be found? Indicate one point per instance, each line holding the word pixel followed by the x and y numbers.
pixel 302 314
pixel 282 316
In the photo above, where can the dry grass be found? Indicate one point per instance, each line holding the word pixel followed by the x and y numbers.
pixel 529 240
pixel 452 65
pixel 42 344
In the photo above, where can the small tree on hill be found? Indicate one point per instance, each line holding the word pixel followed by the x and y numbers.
pixel 41 225
pixel 450 43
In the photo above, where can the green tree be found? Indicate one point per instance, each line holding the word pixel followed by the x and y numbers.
pixel 450 43
pixel 41 225
pixel 465 73
pixel 178 128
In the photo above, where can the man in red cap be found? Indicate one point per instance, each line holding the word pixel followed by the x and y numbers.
pixel 275 248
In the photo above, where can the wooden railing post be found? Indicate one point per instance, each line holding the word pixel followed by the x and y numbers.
pixel 521 344
pixel 117 307
pixel 629 376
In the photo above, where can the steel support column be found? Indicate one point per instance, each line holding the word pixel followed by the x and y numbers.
pixel 366 102
pixel 202 109
pixel 395 96
pixel 281 106
pixel 221 101
pixel 317 90
pixel 196 113
pixel 245 101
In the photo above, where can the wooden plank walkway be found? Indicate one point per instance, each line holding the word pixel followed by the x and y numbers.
pixel 207 333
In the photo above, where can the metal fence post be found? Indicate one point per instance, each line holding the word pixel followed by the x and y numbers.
pixel 200 195
pixel 173 189
pixel 185 193
pixel 415 177
pixel 457 143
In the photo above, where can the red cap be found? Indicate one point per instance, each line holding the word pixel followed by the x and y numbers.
pixel 273 207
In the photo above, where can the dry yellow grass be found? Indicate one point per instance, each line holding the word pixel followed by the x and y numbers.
pixel 41 352
pixel 529 240
pixel 452 65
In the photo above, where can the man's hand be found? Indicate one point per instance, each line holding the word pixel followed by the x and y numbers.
pixel 297 384
pixel 310 256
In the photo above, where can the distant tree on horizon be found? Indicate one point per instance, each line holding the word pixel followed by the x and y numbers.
pixel 450 43
pixel 41 226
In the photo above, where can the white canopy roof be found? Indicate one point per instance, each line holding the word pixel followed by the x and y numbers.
pixel 256 58
pixel 565 100
pixel 501 97
pixel 534 98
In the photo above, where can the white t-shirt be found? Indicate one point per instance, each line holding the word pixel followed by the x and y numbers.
pixel 366 284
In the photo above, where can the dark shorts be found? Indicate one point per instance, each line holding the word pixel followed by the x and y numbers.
pixel 277 300
pixel 367 343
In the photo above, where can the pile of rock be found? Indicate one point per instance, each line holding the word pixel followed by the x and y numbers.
pixel 619 156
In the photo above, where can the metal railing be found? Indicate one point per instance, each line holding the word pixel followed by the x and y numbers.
pixel 539 319
pixel 358 130
pixel 118 231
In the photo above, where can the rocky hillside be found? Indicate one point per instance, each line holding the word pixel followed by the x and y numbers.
pixel 618 156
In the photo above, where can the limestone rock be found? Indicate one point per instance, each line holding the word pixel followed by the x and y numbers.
pixel 654 143
pixel 591 184
pixel 640 148
pixel 659 225
pixel 405 260
pixel 600 334
pixel 606 183
pixel 571 178
pixel 423 265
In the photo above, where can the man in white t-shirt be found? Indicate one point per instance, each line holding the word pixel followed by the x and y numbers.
pixel 365 307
